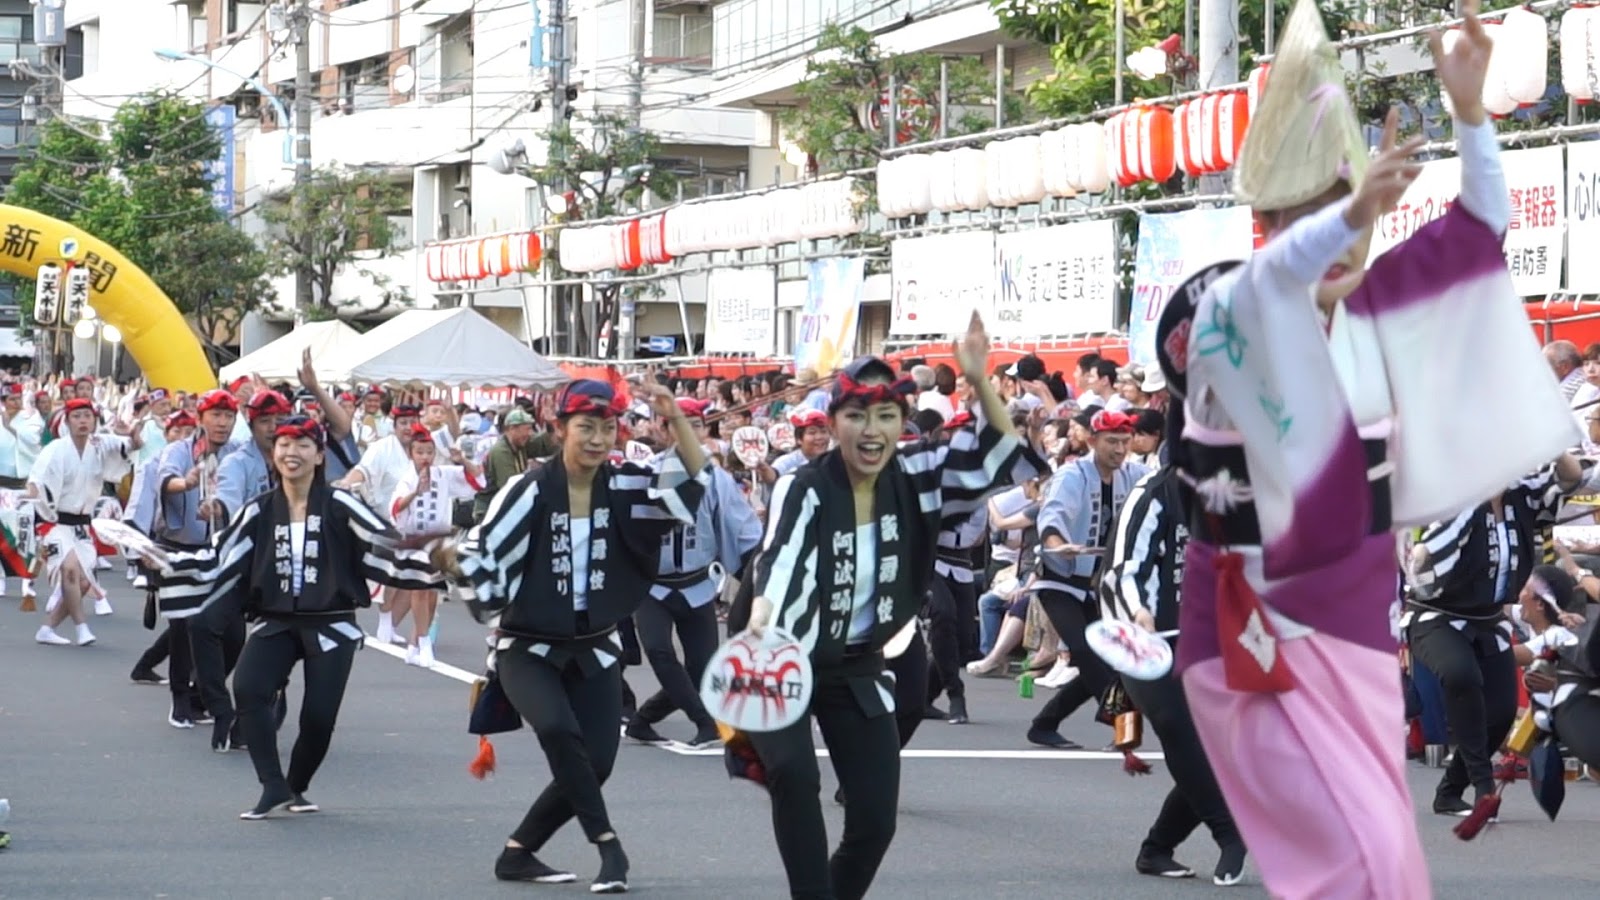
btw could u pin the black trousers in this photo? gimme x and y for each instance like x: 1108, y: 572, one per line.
x: 866, y: 758
x: 264, y: 666
x: 180, y: 665
x: 1577, y: 724
x: 952, y: 634
x: 1195, y: 797
x: 216, y: 638
x: 1480, y: 696
x: 1070, y: 616
x: 575, y: 717
x: 910, y: 687
x: 680, y: 681
x: 157, y: 652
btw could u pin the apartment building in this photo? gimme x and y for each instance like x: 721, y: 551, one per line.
x: 426, y: 91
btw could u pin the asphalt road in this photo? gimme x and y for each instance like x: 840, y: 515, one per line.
x: 108, y: 801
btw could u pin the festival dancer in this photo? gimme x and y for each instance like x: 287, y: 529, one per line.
x: 1141, y: 586
x: 384, y: 462
x: 66, y: 480
x: 1294, y: 369
x: 144, y: 504
x: 725, y: 532
x: 294, y: 560
x: 1077, y: 523
x: 422, y: 504
x: 846, y: 565
x: 565, y: 553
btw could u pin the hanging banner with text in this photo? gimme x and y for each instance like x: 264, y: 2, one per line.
x: 1173, y: 246
x: 939, y: 280
x: 1583, y: 223
x: 740, y: 307
x: 825, y: 337
x: 1535, y: 237
x: 1056, y: 281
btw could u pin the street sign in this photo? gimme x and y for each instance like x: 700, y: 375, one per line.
x: 661, y: 343
x: 77, y: 293
x: 219, y: 171
x: 47, y: 295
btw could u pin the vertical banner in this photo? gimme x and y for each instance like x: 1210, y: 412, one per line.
x: 219, y: 171
x: 1534, y: 239
x: 1583, y: 223
x: 1171, y: 247
x: 939, y: 280
x: 825, y: 338
x: 740, y: 307
x: 1056, y: 281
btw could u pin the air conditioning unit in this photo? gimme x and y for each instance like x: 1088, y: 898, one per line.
x: 463, y: 178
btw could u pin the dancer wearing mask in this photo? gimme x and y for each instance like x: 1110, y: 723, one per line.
x: 845, y: 566
x: 564, y: 553
x: 1294, y: 369
x: 725, y: 532
x: 295, y: 561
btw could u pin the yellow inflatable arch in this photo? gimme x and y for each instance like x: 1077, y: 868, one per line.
x: 153, y: 330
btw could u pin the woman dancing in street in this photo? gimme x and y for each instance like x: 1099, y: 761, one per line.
x: 564, y: 554
x: 286, y: 560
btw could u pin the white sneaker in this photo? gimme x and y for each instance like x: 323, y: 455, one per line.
x: 1059, y: 675
x: 47, y: 635
x: 385, y: 633
x: 55, y: 601
x: 85, y: 636
x: 425, y: 653
x: 141, y: 582
x: 102, y: 565
x: 133, y: 571
x: 102, y: 607
x: 27, y: 588
x: 412, y: 655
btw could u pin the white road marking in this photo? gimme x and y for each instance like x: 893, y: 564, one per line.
x: 465, y: 677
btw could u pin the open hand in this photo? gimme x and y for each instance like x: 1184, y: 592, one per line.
x: 972, y: 350
x: 1387, y: 178
x: 661, y: 401
x: 1461, y: 70
x: 308, y: 372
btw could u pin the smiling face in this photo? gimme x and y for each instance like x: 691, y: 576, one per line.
x: 296, y: 458
x: 813, y: 441
x: 1110, y: 449
x: 866, y: 436
x: 586, y: 441
x: 1344, y: 276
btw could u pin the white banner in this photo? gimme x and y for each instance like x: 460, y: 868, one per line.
x: 1583, y: 225
x: 740, y: 307
x: 939, y: 280
x: 1534, y: 240
x: 1056, y: 281
x: 1171, y: 247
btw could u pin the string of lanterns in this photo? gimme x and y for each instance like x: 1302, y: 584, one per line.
x: 475, y: 259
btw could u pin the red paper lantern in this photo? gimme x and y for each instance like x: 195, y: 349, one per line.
x: 653, y: 240
x: 1231, y: 119
x: 1122, y: 148
x: 1157, y: 161
x: 1186, y: 138
x: 526, y: 251
x: 1257, y: 85
x: 433, y: 262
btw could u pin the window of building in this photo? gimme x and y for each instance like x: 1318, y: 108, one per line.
x: 82, y: 56
x: 681, y: 38
x: 16, y: 40
x: 240, y: 16
x: 364, y: 84
x: 445, y: 59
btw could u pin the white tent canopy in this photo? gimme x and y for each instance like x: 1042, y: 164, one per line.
x: 446, y: 347
x: 280, y: 360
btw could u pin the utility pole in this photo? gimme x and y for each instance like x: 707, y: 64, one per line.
x: 300, y: 23
x: 1218, y: 58
x: 563, y: 303
x: 622, y: 339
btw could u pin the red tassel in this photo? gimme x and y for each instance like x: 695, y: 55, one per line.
x: 483, y: 764
x: 1250, y: 657
x: 1133, y: 765
x: 1485, y: 809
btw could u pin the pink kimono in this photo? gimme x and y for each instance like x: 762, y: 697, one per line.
x: 1307, y: 441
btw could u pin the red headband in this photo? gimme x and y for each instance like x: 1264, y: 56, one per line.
x: 847, y: 390
x: 591, y: 398
x: 420, y: 432
x: 807, y: 418
x: 1107, y: 422
x: 401, y: 411
x: 239, y: 382
x: 218, y: 399
x: 300, y: 427
x: 694, y: 409
x: 268, y: 403
x: 180, y: 419
x: 959, y: 420
x: 77, y: 403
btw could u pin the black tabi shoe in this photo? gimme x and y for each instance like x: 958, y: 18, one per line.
x: 179, y: 716
x: 1446, y: 805
x: 302, y: 805
x: 142, y: 675
x: 271, y: 799
x: 1230, y: 866
x: 958, y: 711
x: 519, y: 864
x: 1162, y: 866
x: 1051, y: 739
x: 613, y: 877
x: 222, y: 735
x: 706, y: 736
x: 645, y: 733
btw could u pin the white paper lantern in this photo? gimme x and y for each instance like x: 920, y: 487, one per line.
x: 1094, y: 175
x: 1580, y: 47
x: 1053, y: 162
x: 1527, y: 47
x: 995, y: 173
x: 890, y: 201
x: 1030, y: 169
x: 1496, y: 98
x: 972, y: 187
x: 942, y: 181
x: 1256, y: 85
x: 914, y: 179
x: 788, y: 209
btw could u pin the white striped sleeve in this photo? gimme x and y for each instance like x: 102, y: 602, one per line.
x: 495, y: 552
x: 1444, y: 543
x: 663, y: 491
x: 786, y: 570
x: 199, y: 578
x: 1135, y: 551
x: 382, y: 560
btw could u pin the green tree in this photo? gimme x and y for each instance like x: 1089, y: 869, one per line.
x: 139, y: 182
x: 608, y: 167
x: 347, y: 227
x: 843, y: 91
